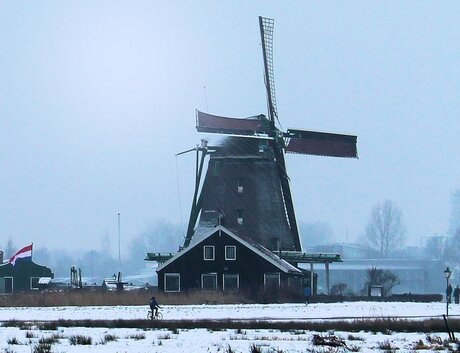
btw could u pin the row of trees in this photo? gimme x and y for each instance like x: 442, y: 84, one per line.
x: 384, y: 234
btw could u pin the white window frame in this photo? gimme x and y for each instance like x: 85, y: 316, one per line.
x: 240, y: 220
x: 240, y: 185
x: 272, y: 273
x: 228, y: 258
x: 237, y: 282
x: 30, y: 282
x: 12, y: 284
x: 170, y: 274
x: 214, y: 274
x: 213, y: 252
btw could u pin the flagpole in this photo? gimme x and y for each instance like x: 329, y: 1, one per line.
x: 119, y: 251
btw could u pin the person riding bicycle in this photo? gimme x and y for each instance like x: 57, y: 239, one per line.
x: 154, y: 306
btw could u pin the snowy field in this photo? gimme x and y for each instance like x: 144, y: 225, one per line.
x: 13, y: 339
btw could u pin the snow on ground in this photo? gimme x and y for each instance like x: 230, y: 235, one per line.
x: 242, y: 311
x: 103, y: 340
x: 201, y: 341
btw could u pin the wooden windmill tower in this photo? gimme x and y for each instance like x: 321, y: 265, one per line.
x: 246, y: 187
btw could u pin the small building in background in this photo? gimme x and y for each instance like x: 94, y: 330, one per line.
x: 417, y: 274
x: 23, y: 275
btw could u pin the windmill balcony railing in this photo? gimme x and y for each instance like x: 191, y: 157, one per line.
x: 301, y: 257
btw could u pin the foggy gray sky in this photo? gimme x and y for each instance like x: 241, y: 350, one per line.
x: 97, y: 97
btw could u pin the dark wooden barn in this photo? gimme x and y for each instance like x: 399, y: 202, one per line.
x: 24, y: 275
x: 219, y: 259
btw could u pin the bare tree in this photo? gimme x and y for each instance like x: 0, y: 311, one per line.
x: 453, y: 248
x: 315, y: 233
x: 10, y: 249
x: 384, y: 278
x: 385, y: 230
x: 436, y: 247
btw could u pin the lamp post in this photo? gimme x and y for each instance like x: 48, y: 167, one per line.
x: 447, y: 274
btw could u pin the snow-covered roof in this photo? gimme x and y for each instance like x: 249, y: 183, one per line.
x: 44, y: 280
x: 203, y: 233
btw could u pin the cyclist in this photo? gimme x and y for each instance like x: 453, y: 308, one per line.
x: 154, y: 306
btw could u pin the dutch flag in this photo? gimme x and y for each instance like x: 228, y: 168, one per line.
x: 25, y: 254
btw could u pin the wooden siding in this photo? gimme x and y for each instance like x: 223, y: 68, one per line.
x: 260, y: 201
x: 248, y: 265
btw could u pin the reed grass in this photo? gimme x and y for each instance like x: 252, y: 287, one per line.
x: 135, y: 297
x: 368, y: 325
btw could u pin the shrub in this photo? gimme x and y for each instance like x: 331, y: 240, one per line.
x: 354, y: 338
x: 137, y: 336
x: 42, y: 348
x: 338, y: 289
x: 30, y: 334
x: 51, y: 339
x: 329, y: 340
x: 385, y: 345
x: 12, y: 341
x: 385, y: 278
x: 80, y: 340
x: 110, y: 338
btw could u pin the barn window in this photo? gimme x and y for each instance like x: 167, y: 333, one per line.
x: 172, y: 282
x: 240, y: 217
x: 34, y: 282
x: 240, y: 185
x: 231, y: 282
x: 209, y: 282
x: 208, y: 252
x: 275, y: 244
x: 272, y: 280
x: 8, y: 285
x: 230, y: 252
x: 262, y: 146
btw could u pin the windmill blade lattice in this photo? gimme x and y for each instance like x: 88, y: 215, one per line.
x: 266, y: 33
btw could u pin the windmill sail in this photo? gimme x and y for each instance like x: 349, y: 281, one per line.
x: 239, y: 126
x: 321, y: 143
x: 266, y: 34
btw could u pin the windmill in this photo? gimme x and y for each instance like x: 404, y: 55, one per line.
x: 246, y: 187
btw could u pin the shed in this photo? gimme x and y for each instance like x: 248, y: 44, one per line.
x: 24, y: 275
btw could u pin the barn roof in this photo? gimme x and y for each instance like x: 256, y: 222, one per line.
x: 205, y: 232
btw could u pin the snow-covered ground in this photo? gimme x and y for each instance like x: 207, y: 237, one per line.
x: 13, y: 339
x: 243, y: 311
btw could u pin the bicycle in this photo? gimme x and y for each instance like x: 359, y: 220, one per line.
x: 158, y: 316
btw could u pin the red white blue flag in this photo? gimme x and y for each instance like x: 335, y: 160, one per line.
x: 24, y: 254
